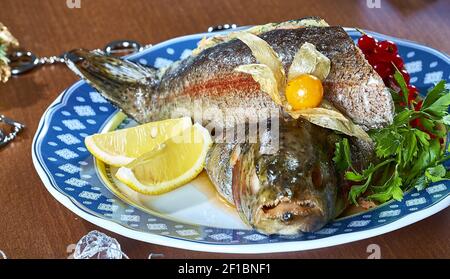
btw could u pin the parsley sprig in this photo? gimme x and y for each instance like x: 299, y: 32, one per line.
x: 407, y: 156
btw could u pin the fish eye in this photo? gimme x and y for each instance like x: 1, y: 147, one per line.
x: 287, y: 216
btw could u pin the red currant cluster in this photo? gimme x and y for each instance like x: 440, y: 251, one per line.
x: 384, y: 58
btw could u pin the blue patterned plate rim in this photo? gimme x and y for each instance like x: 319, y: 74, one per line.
x: 258, y: 244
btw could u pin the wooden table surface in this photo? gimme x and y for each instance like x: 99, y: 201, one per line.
x: 34, y: 225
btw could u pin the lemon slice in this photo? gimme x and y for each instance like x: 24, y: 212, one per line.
x: 176, y: 162
x: 121, y: 147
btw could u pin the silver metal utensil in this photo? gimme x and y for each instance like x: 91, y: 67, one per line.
x: 23, y: 61
x: 16, y: 127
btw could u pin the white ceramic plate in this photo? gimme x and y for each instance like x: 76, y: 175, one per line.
x: 193, y: 217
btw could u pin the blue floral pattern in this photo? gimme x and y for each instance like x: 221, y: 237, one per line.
x: 81, y: 111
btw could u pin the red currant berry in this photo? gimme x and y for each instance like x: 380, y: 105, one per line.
x: 387, y: 46
x: 383, y: 69
x: 367, y: 43
x: 372, y: 59
x: 398, y: 61
x: 385, y: 57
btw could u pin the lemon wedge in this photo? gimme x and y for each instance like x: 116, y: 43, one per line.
x: 174, y: 163
x: 121, y: 147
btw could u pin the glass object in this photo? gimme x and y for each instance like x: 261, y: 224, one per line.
x: 97, y: 245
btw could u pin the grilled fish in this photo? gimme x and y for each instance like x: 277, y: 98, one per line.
x: 283, y: 191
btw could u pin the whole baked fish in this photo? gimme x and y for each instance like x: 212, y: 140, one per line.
x: 290, y: 189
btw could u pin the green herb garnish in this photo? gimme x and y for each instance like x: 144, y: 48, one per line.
x: 407, y: 155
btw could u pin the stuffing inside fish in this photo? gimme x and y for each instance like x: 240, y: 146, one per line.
x: 288, y: 189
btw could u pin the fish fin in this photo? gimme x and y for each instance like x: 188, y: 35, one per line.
x: 128, y: 85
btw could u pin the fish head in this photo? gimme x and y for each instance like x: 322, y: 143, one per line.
x: 292, y: 190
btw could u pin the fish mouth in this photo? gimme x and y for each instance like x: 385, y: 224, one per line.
x: 286, y: 217
x: 280, y: 207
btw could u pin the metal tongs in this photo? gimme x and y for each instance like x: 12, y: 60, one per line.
x: 25, y: 61
x: 16, y: 127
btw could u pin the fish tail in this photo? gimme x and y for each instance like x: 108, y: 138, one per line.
x: 128, y: 85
